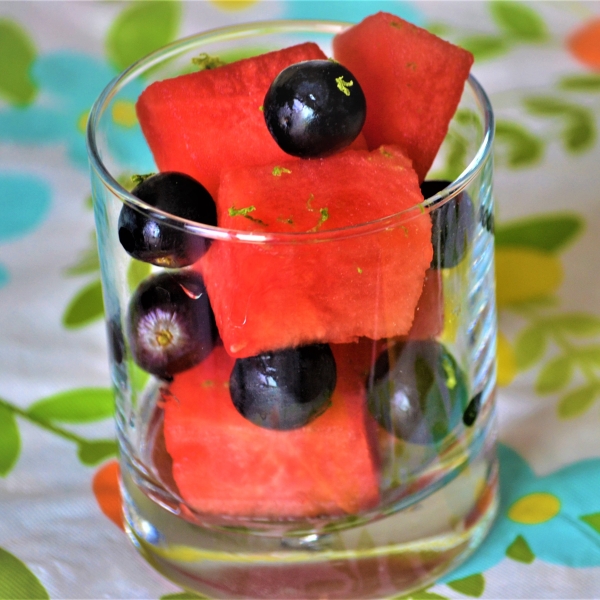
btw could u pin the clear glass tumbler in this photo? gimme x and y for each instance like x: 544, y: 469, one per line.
x: 390, y: 487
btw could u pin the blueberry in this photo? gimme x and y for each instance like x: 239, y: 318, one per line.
x: 417, y: 392
x: 453, y: 226
x: 314, y: 108
x: 472, y: 410
x: 170, y: 325
x: 284, y: 389
x: 153, y: 241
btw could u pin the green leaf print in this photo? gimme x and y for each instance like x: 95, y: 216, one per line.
x: 469, y: 586
x: 516, y: 146
x: 136, y: 273
x: 184, y: 596
x: 10, y: 442
x: 530, y: 346
x: 85, y: 307
x: 520, y: 551
x: 549, y: 233
x: 421, y: 595
x: 554, y: 376
x: 17, y: 581
x: 82, y: 405
x: 577, y: 324
x: 17, y: 54
x: 577, y: 401
x: 93, y: 452
x: 519, y: 21
x: 579, y: 127
x: 141, y: 28
x: 484, y: 47
x: 593, y: 521
x: 580, y: 83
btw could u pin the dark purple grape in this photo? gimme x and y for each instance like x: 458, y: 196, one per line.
x: 417, y: 391
x: 472, y: 410
x: 314, y: 108
x: 170, y: 325
x: 284, y: 389
x: 151, y: 240
x: 453, y: 226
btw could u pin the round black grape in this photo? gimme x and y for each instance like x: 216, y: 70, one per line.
x: 453, y: 226
x: 151, y: 240
x: 314, y: 108
x: 170, y: 324
x: 417, y: 392
x: 284, y: 389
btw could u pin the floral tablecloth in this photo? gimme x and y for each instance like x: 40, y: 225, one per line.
x: 60, y: 527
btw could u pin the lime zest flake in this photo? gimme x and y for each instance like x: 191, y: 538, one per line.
x: 450, y: 375
x: 137, y: 179
x: 405, y: 229
x: 261, y: 108
x: 324, y: 216
x: 421, y: 209
x: 245, y: 212
x: 385, y: 152
x: 278, y: 171
x: 343, y: 85
x: 396, y: 25
x: 208, y: 383
x: 359, y: 270
x: 289, y: 221
x: 206, y: 62
x: 411, y: 65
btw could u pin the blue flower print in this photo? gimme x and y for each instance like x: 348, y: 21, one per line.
x: 24, y: 204
x: 69, y: 83
x: 351, y: 11
x: 557, y: 516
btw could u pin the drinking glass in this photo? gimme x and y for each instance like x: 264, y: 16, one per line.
x: 396, y: 482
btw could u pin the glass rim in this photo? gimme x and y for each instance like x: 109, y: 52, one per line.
x: 214, y: 232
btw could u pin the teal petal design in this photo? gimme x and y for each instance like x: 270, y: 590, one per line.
x: 563, y: 539
x: 24, y: 204
x: 68, y: 84
x: 352, y: 11
x: 4, y: 278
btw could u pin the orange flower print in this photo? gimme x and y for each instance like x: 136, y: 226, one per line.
x: 105, y: 486
x: 584, y: 44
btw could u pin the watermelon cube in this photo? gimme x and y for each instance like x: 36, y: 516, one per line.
x: 412, y: 80
x: 201, y: 122
x: 272, y: 296
x: 223, y: 464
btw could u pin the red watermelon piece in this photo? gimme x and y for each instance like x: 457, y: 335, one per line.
x: 274, y: 296
x: 200, y: 122
x: 412, y: 81
x: 224, y: 464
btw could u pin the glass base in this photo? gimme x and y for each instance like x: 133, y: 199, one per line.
x: 395, y: 554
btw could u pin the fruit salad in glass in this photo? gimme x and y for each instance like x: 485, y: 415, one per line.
x: 298, y: 283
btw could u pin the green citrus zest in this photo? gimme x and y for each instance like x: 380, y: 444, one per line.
x: 244, y: 212
x: 359, y: 270
x: 411, y: 65
x: 324, y: 216
x: 343, y: 85
x: 450, y: 376
x: 396, y: 25
x: 385, y: 152
x: 137, y: 179
x: 206, y: 62
x: 261, y: 108
x: 289, y: 221
x: 404, y: 228
x: 277, y: 171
